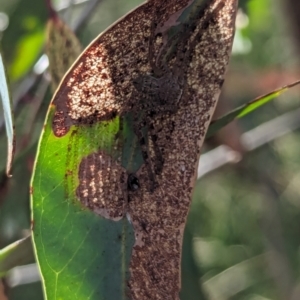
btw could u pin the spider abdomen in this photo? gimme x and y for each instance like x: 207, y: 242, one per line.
x: 170, y: 91
x: 147, y: 84
x: 164, y: 90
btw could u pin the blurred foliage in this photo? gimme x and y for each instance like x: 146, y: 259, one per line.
x: 14, y: 254
x: 245, y: 109
x: 242, y: 237
x: 23, y: 38
x: 62, y: 49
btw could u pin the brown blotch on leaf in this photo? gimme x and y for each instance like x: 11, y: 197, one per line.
x: 159, y: 217
x: 59, y: 125
x: 31, y: 190
x: 102, y: 185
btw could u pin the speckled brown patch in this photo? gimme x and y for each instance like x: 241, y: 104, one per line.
x: 102, y: 185
x: 100, y: 85
x: 159, y: 217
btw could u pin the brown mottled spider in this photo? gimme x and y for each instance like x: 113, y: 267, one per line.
x: 160, y: 92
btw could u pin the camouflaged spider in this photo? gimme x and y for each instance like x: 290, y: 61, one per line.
x: 160, y: 92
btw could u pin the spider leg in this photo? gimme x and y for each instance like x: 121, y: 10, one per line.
x: 159, y: 160
x: 139, y: 130
x: 154, y: 63
x: 151, y: 57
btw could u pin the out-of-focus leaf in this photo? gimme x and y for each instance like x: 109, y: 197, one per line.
x: 90, y: 161
x: 18, y: 253
x: 7, y: 110
x: 14, y: 192
x: 23, y: 39
x: 62, y: 48
x: 190, y: 276
x: 28, y: 121
x: 245, y: 109
x: 26, y: 53
x: 32, y: 291
x: 235, y: 279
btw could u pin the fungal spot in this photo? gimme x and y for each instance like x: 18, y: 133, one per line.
x: 101, y: 185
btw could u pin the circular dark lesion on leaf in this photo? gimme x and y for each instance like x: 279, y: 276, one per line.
x: 59, y: 124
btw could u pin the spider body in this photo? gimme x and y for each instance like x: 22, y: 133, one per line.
x: 158, y: 93
x: 157, y: 96
x: 164, y: 92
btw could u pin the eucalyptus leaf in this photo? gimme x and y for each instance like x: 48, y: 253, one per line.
x: 15, y: 254
x: 113, y: 177
x: 247, y: 108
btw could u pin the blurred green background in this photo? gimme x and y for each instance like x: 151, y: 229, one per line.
x: 242, y: 235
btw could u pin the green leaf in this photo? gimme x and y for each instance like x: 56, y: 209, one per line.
x: 191, y: 287
x: 6, y: 103
x: 30, y: 44
x: 28, y: 123
x: 18, y: 253
x: 23, y: 39
x: 78, y: 245
x: 246, y: 109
